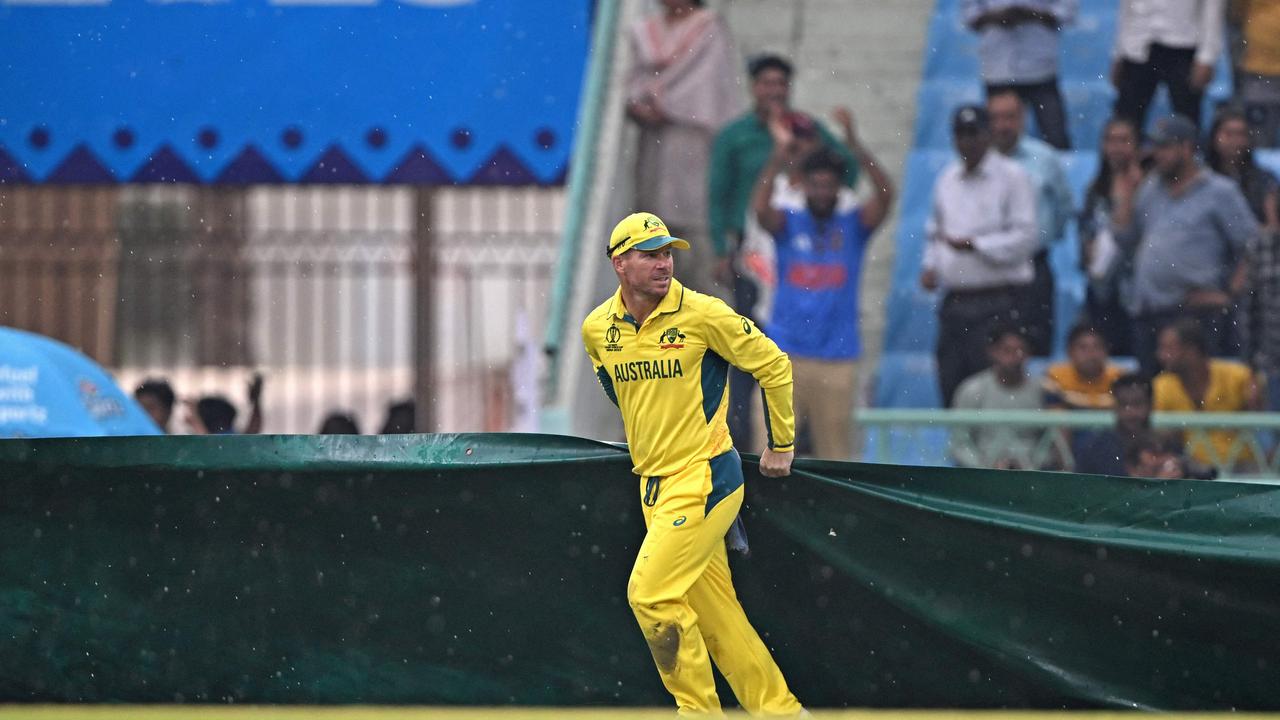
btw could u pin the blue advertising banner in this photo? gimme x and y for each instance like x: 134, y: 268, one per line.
x: 241, y: 91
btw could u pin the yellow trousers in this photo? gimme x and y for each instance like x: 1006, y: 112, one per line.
x: 682, y: 594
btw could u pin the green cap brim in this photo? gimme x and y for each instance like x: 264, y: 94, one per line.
x: 661, y: 242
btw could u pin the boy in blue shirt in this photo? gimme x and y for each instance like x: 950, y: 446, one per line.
x: 819, y: 254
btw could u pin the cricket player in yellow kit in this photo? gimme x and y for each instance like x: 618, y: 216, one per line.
x: 662, y: 354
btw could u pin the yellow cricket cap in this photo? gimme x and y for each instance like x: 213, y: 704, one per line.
x: 641, y: 231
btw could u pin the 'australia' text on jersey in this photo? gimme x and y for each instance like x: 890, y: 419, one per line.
x: 647, y: 370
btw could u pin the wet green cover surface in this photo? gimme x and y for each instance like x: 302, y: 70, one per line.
x: 491, y: 569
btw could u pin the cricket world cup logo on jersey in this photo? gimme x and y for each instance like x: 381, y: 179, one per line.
x: 611, y: 338
x: 671, y: 339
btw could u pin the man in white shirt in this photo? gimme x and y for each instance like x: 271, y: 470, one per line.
x: 982, y: 235
x: 1174, y: 42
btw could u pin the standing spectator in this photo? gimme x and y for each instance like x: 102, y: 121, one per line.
x: 1187, y: 230
x: 1230, y: 153
x: 1003, y: 386
x: 157, y: 398
x: 1053, y: 206
x: 1018, y: 47
x: 1110, y: 271
x: 1260, y: 319
x: 1103, y: 453
x: 1193, y: 382
x: 757, y: 259
x: 981, y: 239
x: 682, y: 88
x: 819, y: 268
x: 737, y: 156
x: 1171, y: 42
x: 1084, y: 381
x: 1258, y: 80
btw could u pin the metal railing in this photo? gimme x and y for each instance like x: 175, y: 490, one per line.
x: 916, y: 436
x: 347, y: 298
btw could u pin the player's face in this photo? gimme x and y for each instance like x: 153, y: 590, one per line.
x: 821, y: 189
x: 647, y: 272
x: 1088, y: 354
x: 771, y: 89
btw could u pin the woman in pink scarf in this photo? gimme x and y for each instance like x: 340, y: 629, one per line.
x: 683, y: 86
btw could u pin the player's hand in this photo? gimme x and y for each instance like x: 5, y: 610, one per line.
x: 776, y: 464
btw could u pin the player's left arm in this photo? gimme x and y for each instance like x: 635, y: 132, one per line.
x: 737, y: 340
x: 602, y: 373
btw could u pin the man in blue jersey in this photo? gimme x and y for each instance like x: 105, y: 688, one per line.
x: 819, y: 250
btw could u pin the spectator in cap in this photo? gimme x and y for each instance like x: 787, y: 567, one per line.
x: 682, y: 88
x: 740, y: 151
x: 1018, y: 48
x: 1186, y: 229
x: 1174, y: 43
x: 978, y: 253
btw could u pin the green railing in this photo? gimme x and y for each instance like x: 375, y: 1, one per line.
x: 1044, y: 441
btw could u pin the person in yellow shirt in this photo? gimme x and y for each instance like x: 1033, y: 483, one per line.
x: 1083, y: 382
x: 1192, y: 382
x: 662, y: 354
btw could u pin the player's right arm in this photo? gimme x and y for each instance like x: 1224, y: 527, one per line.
x: 602, y: 373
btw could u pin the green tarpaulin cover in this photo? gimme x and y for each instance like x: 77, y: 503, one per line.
x: 491, y: 569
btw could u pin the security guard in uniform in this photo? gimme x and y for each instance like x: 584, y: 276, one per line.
x: 662, y: 354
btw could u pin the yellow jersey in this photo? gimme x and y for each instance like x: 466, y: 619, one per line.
x: 1229, y: 387
x: 670, y: 377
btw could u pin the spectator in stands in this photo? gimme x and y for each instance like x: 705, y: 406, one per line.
x: 401, y: 418
x: 1193, y: 382
x: 1258, y: 79
x: 981, y: 239
x: 1018, y: 47
x: 1260, y: 311
x: 1084, y: 381
x: 1005, y: 385
x: 156, y: 398
x: 1230, y: 153
x: 211, y: 415
x: 1110, y: 271
x: 739, y: 153
x: 820, y: 245
x: 1187, y: 229
x: 756, y: 260
x: 1171, y: 42
x: 1054, y: 206
x: 1158, y: 456
x: 1102, y: 453
x: 254, y: 395
x: 339, y: 423
x: 683, y: 86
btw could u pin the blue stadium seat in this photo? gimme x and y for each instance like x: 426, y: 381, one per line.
x: 1269, y: 159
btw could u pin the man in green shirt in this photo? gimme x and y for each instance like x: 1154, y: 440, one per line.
x: 742, y: 147
x: 739, y: 154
